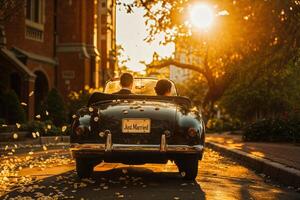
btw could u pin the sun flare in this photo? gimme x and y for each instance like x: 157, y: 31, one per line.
x: 201, y: 16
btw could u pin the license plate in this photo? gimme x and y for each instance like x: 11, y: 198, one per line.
x: 136, y: 125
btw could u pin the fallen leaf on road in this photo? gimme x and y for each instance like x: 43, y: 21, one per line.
x: 15, y: 136
x: 18, y: 125
x: 64, y: 128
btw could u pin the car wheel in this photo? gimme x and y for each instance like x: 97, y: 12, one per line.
x: 188, y: 166
x: 84, y: 167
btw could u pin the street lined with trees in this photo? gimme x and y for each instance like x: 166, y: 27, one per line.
x: 248, y: 55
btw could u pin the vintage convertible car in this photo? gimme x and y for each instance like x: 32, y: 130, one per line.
x: 138, y: 129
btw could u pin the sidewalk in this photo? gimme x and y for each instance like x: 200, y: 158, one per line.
x: 279, y: 161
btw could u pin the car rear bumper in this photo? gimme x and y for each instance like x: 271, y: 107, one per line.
x: 110, y: 150
x: 101, y: 148
x: 121, y: 152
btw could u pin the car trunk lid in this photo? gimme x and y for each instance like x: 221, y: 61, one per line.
x: 136, y: 121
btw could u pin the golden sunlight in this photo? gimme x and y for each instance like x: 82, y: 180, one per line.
x: 201, y: 16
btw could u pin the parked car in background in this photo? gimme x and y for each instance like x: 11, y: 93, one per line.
x: 138, y: 129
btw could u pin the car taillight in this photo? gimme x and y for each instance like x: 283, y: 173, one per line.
x: 192, y: 132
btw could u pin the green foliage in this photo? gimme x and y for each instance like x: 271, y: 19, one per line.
x: 55, y: 108
x: 47, y: 128
x: 263, y: 34
x: 13, y: 128
x: 2, y: 121
x: 223, y: 124
x: 274, y: 130
x: 36, y: 126
x: 215, y: 125
x: 12, y: 110
x: 263, y: 92
x: 195, y: 89
x: 77, y: 100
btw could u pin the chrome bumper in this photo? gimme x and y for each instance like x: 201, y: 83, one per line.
x: 110, y: 147
x: 131, y: 147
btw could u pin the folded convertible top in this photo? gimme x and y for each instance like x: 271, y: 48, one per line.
x: 98, y: 97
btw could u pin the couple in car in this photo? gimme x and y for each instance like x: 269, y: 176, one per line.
x: 162, y: 88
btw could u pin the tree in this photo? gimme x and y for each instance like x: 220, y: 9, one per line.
x: 12, y: 109
x: 256, y: 33
x: 122, y: 59
x: 273, y: 93
x: 55, y: 108
x: 198, y: 91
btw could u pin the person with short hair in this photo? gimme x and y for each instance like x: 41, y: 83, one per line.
x: 126, y: 83
x: 163, y: 87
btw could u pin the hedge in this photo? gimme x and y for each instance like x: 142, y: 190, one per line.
x: 273, y: 130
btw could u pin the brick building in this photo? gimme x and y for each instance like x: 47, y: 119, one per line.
x: 65, y: 44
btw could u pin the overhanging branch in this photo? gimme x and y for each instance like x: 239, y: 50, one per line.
x: 177, y: 64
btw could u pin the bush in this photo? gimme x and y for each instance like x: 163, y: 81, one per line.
x: 2, y: 121
x: 215, y: 125
x: 273, y: 130
x: 55, y: 108
x: 220, y: 125
x: 77, y: 100
x: 12, y: 109
x: 47, y: 128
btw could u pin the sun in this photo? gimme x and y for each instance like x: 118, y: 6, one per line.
x: 201, y: 16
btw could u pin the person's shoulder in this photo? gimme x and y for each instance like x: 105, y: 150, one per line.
x: 123, y: 91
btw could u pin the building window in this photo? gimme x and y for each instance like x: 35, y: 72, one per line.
x: 35, y: 20
x: 34, y: 10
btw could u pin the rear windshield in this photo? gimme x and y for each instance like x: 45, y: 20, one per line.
x: 141, y: 86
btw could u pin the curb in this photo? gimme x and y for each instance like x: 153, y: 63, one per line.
x: 277, y: 172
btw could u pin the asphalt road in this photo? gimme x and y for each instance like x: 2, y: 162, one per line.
x: 51, y: 175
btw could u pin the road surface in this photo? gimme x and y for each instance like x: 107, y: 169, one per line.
x: 50, y: 175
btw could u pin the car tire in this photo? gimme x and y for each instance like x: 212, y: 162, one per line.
x: 188, y: 165
x: 84, y: 167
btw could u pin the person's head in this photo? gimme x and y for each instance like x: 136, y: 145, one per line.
x: 163, y: 87
x: 126, y: 80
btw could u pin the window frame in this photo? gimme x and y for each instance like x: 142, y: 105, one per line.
x: 34, y: 25
x: 41, y: 11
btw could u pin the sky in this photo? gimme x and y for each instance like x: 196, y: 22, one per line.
x: 131, y: 32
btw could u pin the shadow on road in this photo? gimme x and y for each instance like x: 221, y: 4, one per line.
x: 124, y: 183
